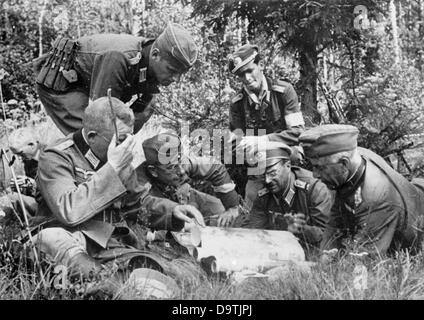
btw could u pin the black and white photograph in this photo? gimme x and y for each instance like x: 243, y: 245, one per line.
x: 215, y: 155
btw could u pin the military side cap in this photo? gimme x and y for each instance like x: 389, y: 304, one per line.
x: 328, y: 139
x: 162, y: 148
x: 242, y: 57
x: 274, y: 152
x: 179, y: 45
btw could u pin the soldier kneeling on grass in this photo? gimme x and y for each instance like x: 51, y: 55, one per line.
x: 292, y: 200
x: 376, y: 210
x: 86, y: 184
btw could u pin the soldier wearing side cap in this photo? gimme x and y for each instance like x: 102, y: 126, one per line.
x: 375, y: 206
x: 76, y: 72
x: 263, y: 104
x: 170, y: 175
x: 293, y: 200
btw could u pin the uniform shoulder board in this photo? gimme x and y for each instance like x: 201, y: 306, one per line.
x: 64, y: 145
x: 263, y: 192
x: 237, y: 98
x: 301, y: 184
x: 280, y: 86
x: 136, y: 59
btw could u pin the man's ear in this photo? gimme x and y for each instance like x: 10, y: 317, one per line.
x: 261, y: 65
x: 91, y: 135
x: 152, y: 170
x: 155, y: 54
x: 345, y: 161
x: 287, y: 164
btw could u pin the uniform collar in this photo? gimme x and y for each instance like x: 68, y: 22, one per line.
x: 286, y: 197
x: 264, y: 93
x: 352, y: 184
x: 83, y: 146
x: 144, y: 77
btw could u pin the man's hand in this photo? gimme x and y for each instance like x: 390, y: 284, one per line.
x: 121, y: 156
x: 251, y: 143
x: 296, y: 222
x: 184, y: 212
x: 227, y: 218
x: 23, y: 182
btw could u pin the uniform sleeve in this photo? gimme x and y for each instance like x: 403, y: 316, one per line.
x: 377, y: 224
x: 216, y: 173
x: 333, y: 233
x: 70, y: 203
x: 295, y: 124
x: 237, y: 117
x: 320, y: 204
x: 109, y: 71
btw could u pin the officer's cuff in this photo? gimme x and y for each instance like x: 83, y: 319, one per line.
x: 229, y: 199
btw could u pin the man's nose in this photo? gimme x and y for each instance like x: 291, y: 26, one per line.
x: 247, y: 77
x: 267, y: 179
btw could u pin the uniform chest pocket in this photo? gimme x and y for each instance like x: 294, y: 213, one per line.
x: 82, y: 175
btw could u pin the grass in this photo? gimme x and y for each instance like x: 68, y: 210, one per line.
x: 399, y: 277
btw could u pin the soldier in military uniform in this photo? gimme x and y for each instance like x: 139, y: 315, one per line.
x: 375, y: 206
x: 292, y: 199
x: 268, y: 107
x: 76, y: 72
x: 86, y: 186
x: 24, y: 143
x: 171, y: 177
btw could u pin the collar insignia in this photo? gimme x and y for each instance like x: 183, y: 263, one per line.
x: 91, y: 157
x: 143, y: 74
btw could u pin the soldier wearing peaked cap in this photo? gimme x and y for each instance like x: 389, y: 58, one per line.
x: 76, y: 72
x: 170, y: 173
x: 374, y: 205
x: 292, y: 200
x: 264, y: 104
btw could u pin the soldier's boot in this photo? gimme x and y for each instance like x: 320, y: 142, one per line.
x: 101, y: 283
x: 84, y: 265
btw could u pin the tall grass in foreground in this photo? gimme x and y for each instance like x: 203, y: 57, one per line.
x: 400, y: 277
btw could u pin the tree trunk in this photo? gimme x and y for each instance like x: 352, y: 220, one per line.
x: 40, y: 28
x: 308, y: 59
x: 394, y: 32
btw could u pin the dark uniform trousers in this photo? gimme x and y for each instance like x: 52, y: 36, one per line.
x: 305, y: 195
x: 378, y: 212
x: 100, y: 62
x: 278, y: 114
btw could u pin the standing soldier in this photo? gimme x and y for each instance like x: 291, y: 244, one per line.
x: 77, y: 72
x: 375, y: 206
x: 292, y: 200
x: 269, y: 107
